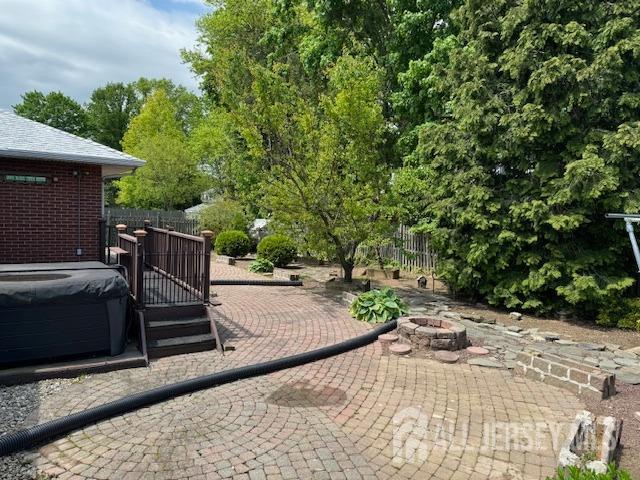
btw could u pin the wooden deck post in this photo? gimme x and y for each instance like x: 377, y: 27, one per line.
x: 120, y: 228
x: 102, y: 241
x: 148, y: 243
x: 206, y: 267
x: 139, y: 278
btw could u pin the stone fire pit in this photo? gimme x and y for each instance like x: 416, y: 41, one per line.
x: 424, y: 333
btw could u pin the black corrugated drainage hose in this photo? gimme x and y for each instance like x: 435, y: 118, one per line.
x: 258, y: 282
x: 31, y: 436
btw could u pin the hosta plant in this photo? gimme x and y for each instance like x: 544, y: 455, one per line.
x: 377, y: 306
x: 261, y: 265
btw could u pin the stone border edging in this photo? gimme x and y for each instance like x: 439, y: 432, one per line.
x: 580, y: 379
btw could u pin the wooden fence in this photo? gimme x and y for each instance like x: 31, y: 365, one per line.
x: 135, y: 218
x: 411, y: 251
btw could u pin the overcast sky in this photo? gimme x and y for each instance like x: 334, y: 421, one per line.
x: 77, y: 45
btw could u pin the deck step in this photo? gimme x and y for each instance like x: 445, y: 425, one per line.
x: 159, y: 329
x: 171, y: 312
x: 178, y: 345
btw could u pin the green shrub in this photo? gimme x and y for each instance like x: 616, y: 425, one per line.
x: 377, y: 306
x: 261, y: 265
x: 223, y: 215
x: 278, y: 249
x: 622, y: 314
x: 233, y: 243
x: 577, y: 473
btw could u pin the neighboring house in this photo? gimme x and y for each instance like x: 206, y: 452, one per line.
x: 207, y: 198
x: 51, y: 191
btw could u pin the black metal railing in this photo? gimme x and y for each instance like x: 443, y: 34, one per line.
x: 175, y: 277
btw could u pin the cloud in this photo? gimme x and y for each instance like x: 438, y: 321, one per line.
x: 77, y: 45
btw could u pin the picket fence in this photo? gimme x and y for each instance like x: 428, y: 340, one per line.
x: 412, y: 251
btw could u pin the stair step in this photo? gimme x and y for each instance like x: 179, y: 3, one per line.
x: 164, y: 312
x: 165, y: 347
x: 160, y: 329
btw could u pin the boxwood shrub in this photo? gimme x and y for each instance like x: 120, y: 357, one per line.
x: 233, y: 243
x: 278, y: 249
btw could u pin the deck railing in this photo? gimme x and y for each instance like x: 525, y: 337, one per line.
x: 130, y: 252
x: 164, y: 266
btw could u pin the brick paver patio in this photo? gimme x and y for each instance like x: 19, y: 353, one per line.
x: 330, y: 419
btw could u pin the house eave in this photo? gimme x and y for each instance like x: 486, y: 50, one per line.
x: 70, y: 158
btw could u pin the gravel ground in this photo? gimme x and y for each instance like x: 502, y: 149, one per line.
x: 20, y: 404
x: 623, y: 405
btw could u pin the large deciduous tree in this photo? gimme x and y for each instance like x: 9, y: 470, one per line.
x: 110, y: 110
x: 54, y: 109
x: 297, y: 123
x: 532, y: 135
x: 171, y: 177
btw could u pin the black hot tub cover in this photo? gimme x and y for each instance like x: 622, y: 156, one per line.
x: 59, y: 283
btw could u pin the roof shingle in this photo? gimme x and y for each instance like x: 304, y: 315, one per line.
x: 24, y: 138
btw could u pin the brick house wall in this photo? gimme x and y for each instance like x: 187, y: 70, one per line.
x: 39, y: 223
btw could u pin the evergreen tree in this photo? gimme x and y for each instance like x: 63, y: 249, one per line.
x: 532, y: 135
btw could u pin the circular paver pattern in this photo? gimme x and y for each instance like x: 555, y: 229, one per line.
x: 349, y: 416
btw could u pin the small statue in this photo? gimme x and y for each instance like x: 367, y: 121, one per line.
x: 422, y: 281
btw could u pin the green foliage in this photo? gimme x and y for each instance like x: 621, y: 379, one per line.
x: 170, y: 178
x: 578, y: 473
x: 622, y: 314
x: 377, y: 306
x: 54, y: 109
x: 261, y: 265
x: 297, y: 128
x: 233, y: 243
x: 530, y: 137
x: 110, y: 110
x: 223, y: 214
x: 278, y: 249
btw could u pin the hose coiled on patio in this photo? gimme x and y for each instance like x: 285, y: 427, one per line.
x: 258, y: 282
x: 31, y: 436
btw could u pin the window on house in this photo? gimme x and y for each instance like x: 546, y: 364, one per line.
x: 31, y: 179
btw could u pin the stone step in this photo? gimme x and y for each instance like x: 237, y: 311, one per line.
x: 180, y: 327
x: 399, y: 348
x: 166, y: 347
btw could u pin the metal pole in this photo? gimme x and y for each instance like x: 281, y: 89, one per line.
x: 634, y: 243
x: 629, y: 219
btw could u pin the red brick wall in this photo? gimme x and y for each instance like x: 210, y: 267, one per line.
x: 39, y: 223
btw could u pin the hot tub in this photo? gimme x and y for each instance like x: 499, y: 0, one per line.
x: 53, y: 310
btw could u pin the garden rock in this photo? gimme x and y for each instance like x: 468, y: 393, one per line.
x: 596, y: 347
x: 488, y: 362
x: 564, y: 342
x: 516, y: 315
x: 630, y: 378
x: 607, y: 364
x: 515, y: 328
x: 550, y: 336
x: 626, y: 362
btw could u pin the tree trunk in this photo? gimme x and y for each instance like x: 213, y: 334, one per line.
x: 347, y: 268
